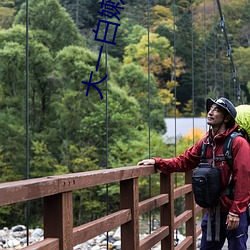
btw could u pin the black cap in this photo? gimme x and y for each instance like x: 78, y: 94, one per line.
x: 223, y: 103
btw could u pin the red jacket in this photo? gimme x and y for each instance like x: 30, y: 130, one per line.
x: 241, y: 167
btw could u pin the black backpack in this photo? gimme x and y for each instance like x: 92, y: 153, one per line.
x: 206, y: 179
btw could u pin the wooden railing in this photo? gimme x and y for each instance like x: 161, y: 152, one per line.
x: 59, y: 232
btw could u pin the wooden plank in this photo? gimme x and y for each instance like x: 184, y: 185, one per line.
x: 90, y: 230
x: 198, y: 209
x: 198, y: 231
x: 185, y: 244
x: 182, y: 218
x: 46, y: 244
x: 154, y: 238
x: 129, y: 195
x: 152, y: 203
x: 58, y: 219
x: 190, y: 205
x: 178, y: 192
x: 167, y: 210
x: 99, y: 177
x: 24, y: 190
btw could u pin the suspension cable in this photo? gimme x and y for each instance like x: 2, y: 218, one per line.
x: 149, y: 120
x: 215, y: 52
x: 27, y: 207
x: 192, y: 76
x: 107, y: 128
x: 174, y: 74
x: 175, y: 95
x: 205, y: 50
x: 229, y: 53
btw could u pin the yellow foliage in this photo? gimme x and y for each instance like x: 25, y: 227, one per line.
x: 161, y: 55
x: 203, y: 114
x: 173, y: 112
x: 195, y: 134
x: 188, y: 108
x: 172, y: 84
x: 161, y: 16
x: 166, y: 96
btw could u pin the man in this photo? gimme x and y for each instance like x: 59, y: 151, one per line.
x: 221, y: 115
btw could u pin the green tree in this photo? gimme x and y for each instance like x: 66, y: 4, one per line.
x: 84, y: 13
x: 241, y: 56
x: 6, y: 17
x: 132, y: 78
x: 53, y: 25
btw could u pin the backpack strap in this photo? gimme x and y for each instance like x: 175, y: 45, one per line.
x: 227, y: 148
x: 227, y: 151
x: 203, y: 152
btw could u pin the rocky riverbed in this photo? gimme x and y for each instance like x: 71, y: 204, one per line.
x: 16, y: 238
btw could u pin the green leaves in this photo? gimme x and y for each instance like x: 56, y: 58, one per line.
x: 53, y: 24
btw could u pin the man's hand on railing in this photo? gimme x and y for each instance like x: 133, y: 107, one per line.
x: 146, y: 162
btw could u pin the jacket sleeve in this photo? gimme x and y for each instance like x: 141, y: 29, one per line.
x: 183, y: 163
x: 241, y: 175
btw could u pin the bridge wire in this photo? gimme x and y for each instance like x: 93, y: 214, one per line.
x: 215, y: 52
x: 149, y: 120
x: 174, y: 78
x: 192, y: 77
x: 229, y: 55
x: 27, y: 206
x: 107, y: 127
x: 222, y: 68
x: 175, y: 94
x: 205, y: 49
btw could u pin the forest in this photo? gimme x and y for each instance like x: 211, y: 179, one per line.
x: 167, y: 58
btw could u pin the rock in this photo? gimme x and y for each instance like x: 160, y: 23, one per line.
x: 18, y: 234
x: 100, y: 238
x: 117, y: 234
x: 103, y: 243
x: 111, y: 240
x: 95, y: 248
x: 111, y: 233
x: 13, y: 243
x: 91, y: 242
x: 81, y: 246
x: 23, y: 240
x: 38, y: 232
x: 18, y: 247
x: 3, y: 233
x: 18, y: 228
x: 16, y: 238
x: 117, y: 244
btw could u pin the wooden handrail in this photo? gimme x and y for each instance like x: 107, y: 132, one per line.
x: 56, y: 191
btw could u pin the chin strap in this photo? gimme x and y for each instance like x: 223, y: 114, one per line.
x: 218, y: 128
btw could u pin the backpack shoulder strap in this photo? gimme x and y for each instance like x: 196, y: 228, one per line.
x: 227, y: 148
x: 203, y: 152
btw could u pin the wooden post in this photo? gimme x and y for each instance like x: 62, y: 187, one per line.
x: 129, y: 198
x: 58, y: 219
x: 167, y: 210
x: 190, y: 205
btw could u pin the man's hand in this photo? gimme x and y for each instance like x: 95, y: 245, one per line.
x: 232, y: 221
x: 146, y: 162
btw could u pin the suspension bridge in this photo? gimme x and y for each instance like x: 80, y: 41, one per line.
x: 56, y: 192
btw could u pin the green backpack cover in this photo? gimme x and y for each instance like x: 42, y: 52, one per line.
x: 243, y: 119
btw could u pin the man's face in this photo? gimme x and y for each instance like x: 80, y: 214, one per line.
x: 215, y: 116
